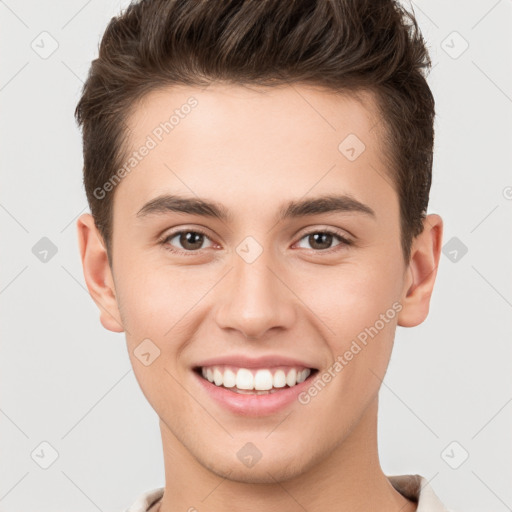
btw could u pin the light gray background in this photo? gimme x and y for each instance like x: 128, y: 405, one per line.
x: 68, y: 382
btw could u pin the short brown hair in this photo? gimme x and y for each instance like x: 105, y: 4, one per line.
x: 343, y: 45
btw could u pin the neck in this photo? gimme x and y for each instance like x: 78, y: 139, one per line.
x: 348, y: 478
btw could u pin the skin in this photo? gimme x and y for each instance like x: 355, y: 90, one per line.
x: 253, y: 149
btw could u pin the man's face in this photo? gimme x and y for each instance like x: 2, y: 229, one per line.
x: 257, y: 284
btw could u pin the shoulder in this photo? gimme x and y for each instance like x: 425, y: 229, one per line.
x: 146, y: 500
x: 418, y: 488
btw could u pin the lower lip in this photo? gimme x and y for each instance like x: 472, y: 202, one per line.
x: 254, y: 405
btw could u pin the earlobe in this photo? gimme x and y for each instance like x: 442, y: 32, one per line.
x: 421, y: 272
x: 97, y: 272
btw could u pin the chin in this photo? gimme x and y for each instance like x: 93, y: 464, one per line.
x: 264, y: 475
x: 263, y: 472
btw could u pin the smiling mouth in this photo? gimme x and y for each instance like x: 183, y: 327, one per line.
x: 252, y: 381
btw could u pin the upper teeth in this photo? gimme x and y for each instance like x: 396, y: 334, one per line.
x: 260, y: 380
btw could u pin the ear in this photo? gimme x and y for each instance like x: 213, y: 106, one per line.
x: 421, y: 272
x: 97, y: 272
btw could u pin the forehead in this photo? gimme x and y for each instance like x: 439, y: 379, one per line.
x: 290, y: 112
x: 254, y: 145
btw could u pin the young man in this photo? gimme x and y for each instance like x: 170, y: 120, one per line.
x: 258, y: 174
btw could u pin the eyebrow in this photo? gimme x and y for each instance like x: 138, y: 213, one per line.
x: 298, y: 208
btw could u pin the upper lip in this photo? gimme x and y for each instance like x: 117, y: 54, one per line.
x: 243, y: 361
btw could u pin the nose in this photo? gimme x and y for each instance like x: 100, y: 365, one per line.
x: 254, y: 298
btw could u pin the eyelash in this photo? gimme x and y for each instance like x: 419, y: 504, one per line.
x: 164, y: 242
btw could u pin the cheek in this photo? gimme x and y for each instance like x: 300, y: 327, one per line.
x: 352, y: 297
x: 153, y: 298
x: 155, y: 305
x: 366, y: 327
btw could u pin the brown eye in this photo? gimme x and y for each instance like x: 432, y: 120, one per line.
x: 322, y: 240
x: 186, y: 240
